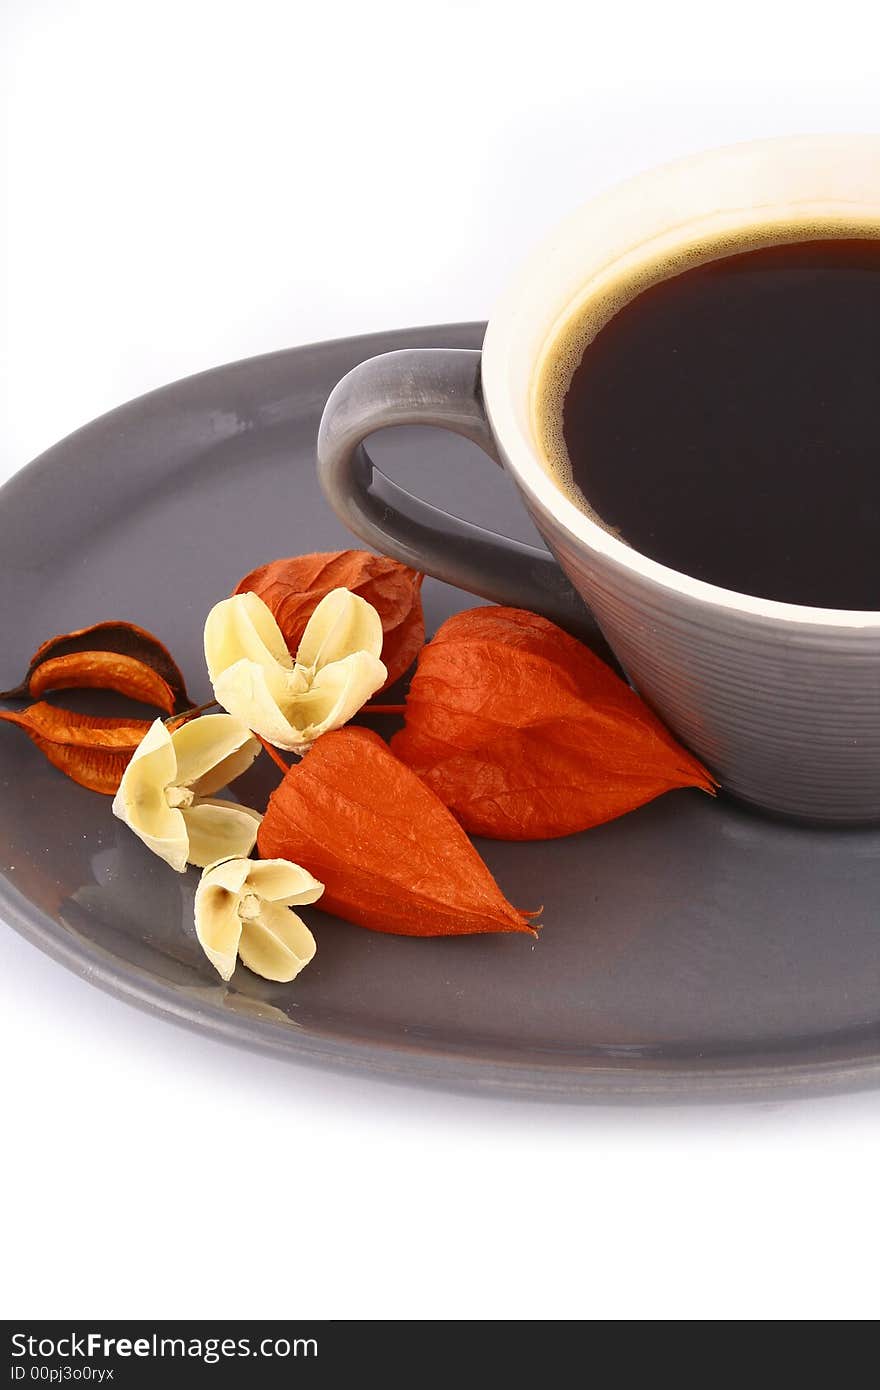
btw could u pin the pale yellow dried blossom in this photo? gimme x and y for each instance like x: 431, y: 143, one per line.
x: 165, y: 795
x: 292, y: 702
x: 244, y: 908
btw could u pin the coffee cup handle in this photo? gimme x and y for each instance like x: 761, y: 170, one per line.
x: 433, y: 386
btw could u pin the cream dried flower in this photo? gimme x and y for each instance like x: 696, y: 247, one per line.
x: 244, y: 907
x: 165, y: 792
x: 292, y: 702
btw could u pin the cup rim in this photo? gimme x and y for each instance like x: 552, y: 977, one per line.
x: 519, y: 452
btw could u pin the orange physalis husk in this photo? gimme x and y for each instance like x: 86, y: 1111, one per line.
x: 293, y: 588
x: 107, y: 656
x: 389, y: 854
x: 92, y: 751
x: 526, y: 735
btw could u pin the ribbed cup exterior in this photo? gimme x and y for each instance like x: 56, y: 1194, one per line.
x: 785, y: 713
x: 783, y: 706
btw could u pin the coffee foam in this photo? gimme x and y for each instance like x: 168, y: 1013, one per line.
x: 618, y: 285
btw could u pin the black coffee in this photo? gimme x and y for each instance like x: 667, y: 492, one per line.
x: 726, y: 422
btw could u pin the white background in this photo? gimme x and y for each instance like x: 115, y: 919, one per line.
x: 190, y: 183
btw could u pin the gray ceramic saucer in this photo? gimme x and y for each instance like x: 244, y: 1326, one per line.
x: 691, y: 950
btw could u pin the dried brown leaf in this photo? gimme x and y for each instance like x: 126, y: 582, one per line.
x: 107, y: 656
x: 92, y: 751
x: 526, y: 735
x: 388, y: 852
x: 293, y: 588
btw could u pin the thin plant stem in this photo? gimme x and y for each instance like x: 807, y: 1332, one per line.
x: 274, y: 754
x: 193, y: 713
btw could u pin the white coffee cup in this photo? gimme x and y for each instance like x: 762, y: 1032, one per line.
x: 780, y: 700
